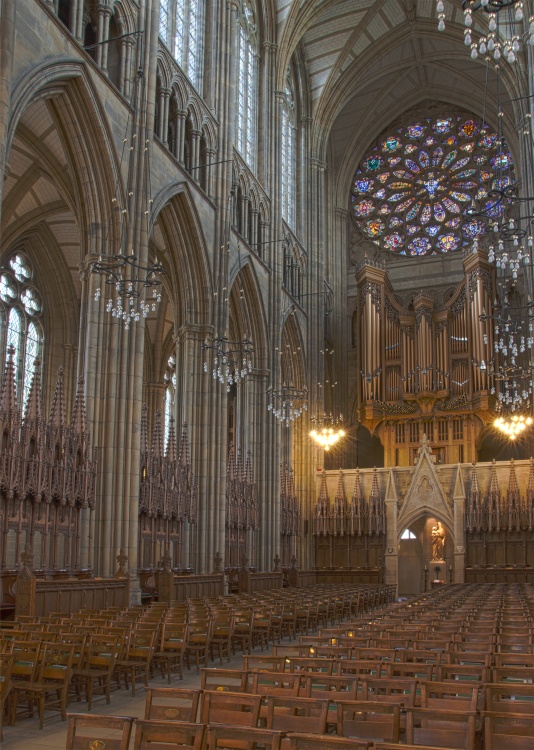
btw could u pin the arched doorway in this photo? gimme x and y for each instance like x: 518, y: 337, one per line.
x: 415, y: 552
x: 411, y: 561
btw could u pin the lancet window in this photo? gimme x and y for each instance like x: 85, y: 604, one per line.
x: 247, y: 83
x: 412, y: 190
x: 181, y: 29
x: 21, y: 330
x: 288, y: 155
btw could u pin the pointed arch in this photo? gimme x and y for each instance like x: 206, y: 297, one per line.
x: 86, y: 139
x: 184, y: 254
x: 247, y: 312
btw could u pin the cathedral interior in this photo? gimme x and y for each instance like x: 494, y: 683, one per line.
x: 228, y: 224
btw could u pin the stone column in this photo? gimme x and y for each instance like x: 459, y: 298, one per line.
x: 210, y: 158
x: 195, y: 154
x: 163, y: 122
x: 201, y: 400
x: 102, y: 11
x: 126, y: 66
x: 254, y: 229
x: 105, y: 36
x: 7, y: 45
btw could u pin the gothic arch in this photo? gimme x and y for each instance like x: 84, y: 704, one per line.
x: 184, y: 254
x: 86, y: 139
x: 247, y: 312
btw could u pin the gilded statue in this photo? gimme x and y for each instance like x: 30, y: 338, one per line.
x: 438, y: 541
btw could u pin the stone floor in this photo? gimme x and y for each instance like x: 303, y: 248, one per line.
x: 26, y: 735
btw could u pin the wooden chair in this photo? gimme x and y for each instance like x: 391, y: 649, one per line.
x: 50, y: 688
x: 242, y: 635
x: 331, y: 688
x: 324, y: 742
x: 508, y: 731
x: 459, y: 695
x: 149, y: 735
x: 368, y: 720
x: 297, y: 714
x: 271, y: 683
x: 138, y: 659
x: 224, y: 680
x: 266, y: 663
x: 310, y: 664
x: 506, y: 697
x: 221, y: 638
x: 198, y: 641
x: 399, y: 692
x: 245, y: 738
x: 465, y: 672
x: 6, y: 667
x: 372, y: 668
x: 91, y: 731
x: 98, y: 665
x: 170, y: 656
x: 172, y: 704
x: 441, y: 728
x: 239, y: 709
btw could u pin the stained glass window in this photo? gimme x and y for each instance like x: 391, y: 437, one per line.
x: 180, y: 28
x: 247, y: 83
x: 412, y: 190
x: 288, y: 155
x: 21, y: 308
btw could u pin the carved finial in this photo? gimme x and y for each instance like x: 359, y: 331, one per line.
x: 8, y: 392
x: 57, y: 410
x: 171, y: 442
x: 166, y: 561
x: 26, y: 557
x: 122, y: 559
x: 157, y: 437
x: 79, y: 418
x: 34, y: 405
x: 144, y: 429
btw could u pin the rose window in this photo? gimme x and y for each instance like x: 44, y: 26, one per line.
x: 411, y: 192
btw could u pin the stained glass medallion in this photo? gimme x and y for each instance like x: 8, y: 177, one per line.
x: 438, y: 166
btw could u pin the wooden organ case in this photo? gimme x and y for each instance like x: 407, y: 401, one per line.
x: 423, y: 369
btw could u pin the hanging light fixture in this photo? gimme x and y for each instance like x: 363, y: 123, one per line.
x: 133, y: 287
x: 128, y: 279
x: 327, y: 430
x: 230, y: 361
x: 496, y: 42
x: 287, y: 403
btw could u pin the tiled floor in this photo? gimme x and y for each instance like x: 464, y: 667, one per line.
x: 26, y: 735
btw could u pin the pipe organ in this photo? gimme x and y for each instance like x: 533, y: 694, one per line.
x: 423, y: 368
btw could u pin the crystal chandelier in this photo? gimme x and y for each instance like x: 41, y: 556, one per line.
x: 127, y: 279
x: 287, y: 403
x: 327, y: 430
x: 496, y: 42
x: 513, y: 426
x: 230, y: 360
